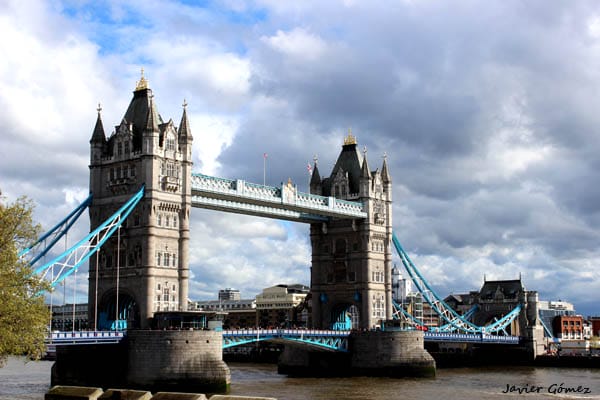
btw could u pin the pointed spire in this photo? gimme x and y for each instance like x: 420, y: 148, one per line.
x: 98, y: 136
x: 315, y: 178
x: 185, y: 134
x: 365, y: 172
x: 153, y: 118
x: 385, y: 175
x: 142, y: 83
x: 350, y: 139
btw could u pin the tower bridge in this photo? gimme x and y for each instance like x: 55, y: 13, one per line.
x: 142, y: 193
x: 349, y: 213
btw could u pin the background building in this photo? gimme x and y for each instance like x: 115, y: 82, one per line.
x: 229, y: 294
x: 279, y: 306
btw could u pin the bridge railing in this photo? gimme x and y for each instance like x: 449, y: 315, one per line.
x: 285, y: 332
x: 84, y: 337
x: 469, y: 337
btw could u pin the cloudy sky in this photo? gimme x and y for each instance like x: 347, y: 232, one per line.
x: 487, y: 112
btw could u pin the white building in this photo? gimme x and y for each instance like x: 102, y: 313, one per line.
x: 401, y: 286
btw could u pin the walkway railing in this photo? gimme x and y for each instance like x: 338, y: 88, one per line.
x: 85, y: 337
x: 330, y: 340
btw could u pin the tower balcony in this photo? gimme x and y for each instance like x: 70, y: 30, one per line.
x: 170, y: 183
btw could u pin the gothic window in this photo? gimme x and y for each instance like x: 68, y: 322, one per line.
x: 130, y: 259
x: 158, y: 257
x: 171, y: 170
x: 167, y: 259
x: 159, y: 219
x: 136, y: 220
x: 158, y: 287
x: 119, y: 148
x: 162, y: 168
x: 132, y: 171
x: 351, y: 276
x: 170, y: 145
x: 173, y: 289
x: 126, y: 147
x: 174, y: 259
x: 167, y: 221
x: 175, y: 221
x: 378, y: 306
x: 166, y: 293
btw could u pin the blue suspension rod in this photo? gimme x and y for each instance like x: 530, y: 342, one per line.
x: 66, y: 223
x: 102, y: 233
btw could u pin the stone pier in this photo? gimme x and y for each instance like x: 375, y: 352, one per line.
x: 182, y: 361
x: 371, y: 353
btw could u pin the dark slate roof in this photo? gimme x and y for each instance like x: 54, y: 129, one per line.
x: 98, y: 136
x: 349, y: 161
x: 315, y: 179
x: 184, y: 133
x: 508, y: 288
x: 143, y: 115
x: 385, y: 175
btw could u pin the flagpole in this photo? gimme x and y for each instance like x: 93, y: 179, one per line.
x: 264, y: 169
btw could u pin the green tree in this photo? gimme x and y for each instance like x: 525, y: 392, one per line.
x: 23, y: 315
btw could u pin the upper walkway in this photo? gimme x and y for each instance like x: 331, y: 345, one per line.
x: 284, y: 202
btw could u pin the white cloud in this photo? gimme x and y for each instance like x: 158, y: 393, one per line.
x: 297, y: 43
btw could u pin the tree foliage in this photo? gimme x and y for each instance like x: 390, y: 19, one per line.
x: 23, y: 315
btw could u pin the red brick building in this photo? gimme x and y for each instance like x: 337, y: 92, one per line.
x: 568, y: 327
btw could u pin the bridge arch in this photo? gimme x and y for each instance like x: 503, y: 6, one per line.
x: 129, y: 311
x: 345, y: 317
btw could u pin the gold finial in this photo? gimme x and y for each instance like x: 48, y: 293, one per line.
x: 99, y: 108
x: 184, y: 105
x: 142, y: 83
x: 365, y: 150
x: 384, y: 155
x: 350, y: 139
x: 315, y: 159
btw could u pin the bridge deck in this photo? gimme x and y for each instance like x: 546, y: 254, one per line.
x: 284, y: 202
x: 328, y: 339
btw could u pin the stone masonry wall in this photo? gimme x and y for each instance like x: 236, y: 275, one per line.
x: 393, y: 353
x: 182, y: 360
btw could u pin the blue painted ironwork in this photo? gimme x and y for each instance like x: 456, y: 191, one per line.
x: 55, y: 233
x: 283, y: 202
x: 547, y: 332
x: 453, y: 321
x: 330, y: 340
x: 70, y: 260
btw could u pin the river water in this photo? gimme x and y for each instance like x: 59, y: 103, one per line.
x: 21, y: 380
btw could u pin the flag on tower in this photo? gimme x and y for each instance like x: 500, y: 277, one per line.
x: 309, y: 168
x: 265, y: 155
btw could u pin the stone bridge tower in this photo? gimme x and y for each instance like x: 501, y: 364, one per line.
x: 351, y: 281
x: 146, y: 263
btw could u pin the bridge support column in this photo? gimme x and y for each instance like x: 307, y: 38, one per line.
x: 181, y: 361
x: 372, y: 353
x: 391, y: 353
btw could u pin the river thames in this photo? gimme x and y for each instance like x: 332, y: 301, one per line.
x: 21, y: 380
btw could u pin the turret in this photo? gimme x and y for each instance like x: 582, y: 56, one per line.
x: 365, y: 177
x: 98, y: 140
x: 315, y: 181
